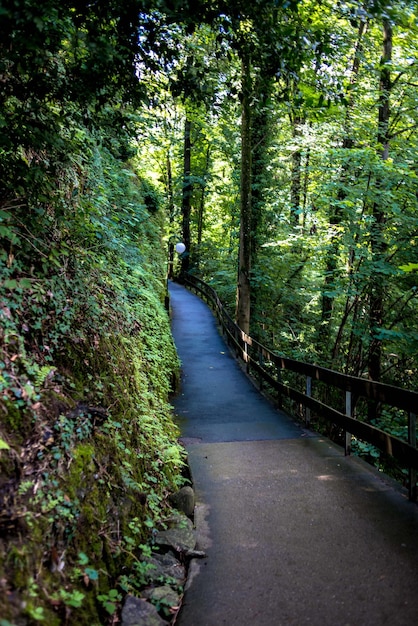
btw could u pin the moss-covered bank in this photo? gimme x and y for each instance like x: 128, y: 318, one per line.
x: 89, y: 450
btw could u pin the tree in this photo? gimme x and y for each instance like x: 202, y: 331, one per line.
x: 316, y: 282
x: 186, y: 195
x: 245, y: 239
x: 377, y: 235
x: 257, y: 32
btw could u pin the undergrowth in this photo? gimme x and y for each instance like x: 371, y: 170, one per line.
x: 88, y: 448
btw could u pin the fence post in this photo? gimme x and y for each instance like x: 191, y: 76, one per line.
x: 238, y: 349
x: 348, y: 412
x: 309, y: 394
x: 279, y: 390
x: 412, y: 440
x: 261, y: 363
x: 246, y: 359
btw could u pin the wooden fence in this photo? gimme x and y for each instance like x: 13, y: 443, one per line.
x: 269, y: 366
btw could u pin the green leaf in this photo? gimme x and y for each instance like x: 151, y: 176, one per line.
x: 25, y: 283
x: 83, y: 559
x: 4, y: 445
x: 91, y: 573
x: 410, y: 267
x: 6, y: 232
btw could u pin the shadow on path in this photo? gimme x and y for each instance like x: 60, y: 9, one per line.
x: 295, y: 532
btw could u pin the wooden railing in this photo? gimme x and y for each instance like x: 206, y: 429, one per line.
x: 268, y: 366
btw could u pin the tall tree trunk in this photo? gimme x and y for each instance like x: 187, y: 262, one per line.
x: 201, y: 206
x: 260, y: 127
x: 261, y: 133
x: 296, y: 180
x: 305, y: 184
x: 243, y: 308
x: 187, y: 195
x: 170, y: 196
x: 377, y: 238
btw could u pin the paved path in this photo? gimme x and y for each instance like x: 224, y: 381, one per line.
x: 295, y: 532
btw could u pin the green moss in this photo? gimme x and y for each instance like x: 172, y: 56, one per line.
x: 18, y: 563
x: 14, y: 419
x: 82, y: 466
x: 99, y: 482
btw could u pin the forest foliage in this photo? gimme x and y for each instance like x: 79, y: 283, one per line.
x: 332, y: 218
x: 89, y: 451
x: 279, y: 141
x: 298, y: 203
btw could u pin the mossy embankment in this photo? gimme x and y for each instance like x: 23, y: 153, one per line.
x: 89, y: 449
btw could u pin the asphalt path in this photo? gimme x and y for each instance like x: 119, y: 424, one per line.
x: 216, y: 403
x: 295, y: 533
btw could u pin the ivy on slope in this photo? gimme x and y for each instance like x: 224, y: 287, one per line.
x: 89, y: 452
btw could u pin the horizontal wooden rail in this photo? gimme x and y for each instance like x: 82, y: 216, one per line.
x: 268, y: 366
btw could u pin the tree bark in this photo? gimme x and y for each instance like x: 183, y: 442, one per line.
x: 243, y: 308
x: 170, y: 196
x: 187, y: 195
x: 377, y: 238
x: 296, y: 182
x: 261, y: 133
x: 201, y: 206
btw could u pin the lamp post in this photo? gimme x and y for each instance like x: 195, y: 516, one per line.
x: 180, y: 248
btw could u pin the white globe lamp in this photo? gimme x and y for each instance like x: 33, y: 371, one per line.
x: 180, y: 247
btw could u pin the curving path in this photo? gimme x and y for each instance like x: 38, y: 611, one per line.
x: 295, y: 533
